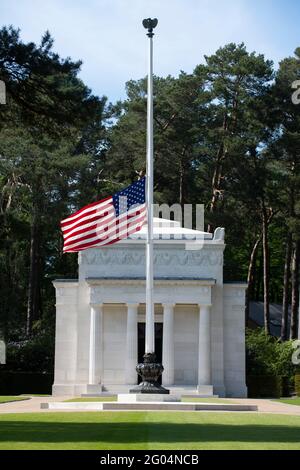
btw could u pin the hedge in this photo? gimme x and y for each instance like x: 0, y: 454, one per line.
x: 264, y: 386
x: 17, y: 383
x: 297, y: 384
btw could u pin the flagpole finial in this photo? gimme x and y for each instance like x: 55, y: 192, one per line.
x: 150, y: 24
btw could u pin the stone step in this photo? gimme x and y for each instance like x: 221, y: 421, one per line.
x: 97, y: 395
x: 203, y: 391
x: 147, y: 397
x: 147, y: 406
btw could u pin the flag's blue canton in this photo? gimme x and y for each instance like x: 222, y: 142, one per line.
x: 125, y: 199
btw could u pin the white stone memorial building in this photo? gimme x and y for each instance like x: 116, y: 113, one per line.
x: 199, y: 320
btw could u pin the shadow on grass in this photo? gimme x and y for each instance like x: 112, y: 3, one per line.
x: 126, y: 432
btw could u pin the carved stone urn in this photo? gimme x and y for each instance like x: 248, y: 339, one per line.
x: 150, y: 371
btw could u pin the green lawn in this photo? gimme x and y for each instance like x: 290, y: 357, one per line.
x: 290, y: 401
x: 4, y: 399
x: 149, y: 430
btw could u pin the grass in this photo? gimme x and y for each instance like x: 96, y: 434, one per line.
x: 290, y: 401
x: 149, y: 430
x: 8, y: 399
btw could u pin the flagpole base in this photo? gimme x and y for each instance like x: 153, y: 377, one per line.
x: 150, y: 371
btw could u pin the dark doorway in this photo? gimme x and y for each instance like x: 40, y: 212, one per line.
x: 158, y: 343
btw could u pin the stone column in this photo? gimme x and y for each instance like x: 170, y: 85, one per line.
x: 204, y: 361
x: 95, y: 346
x: 168, y: 345
x: 131, y: 345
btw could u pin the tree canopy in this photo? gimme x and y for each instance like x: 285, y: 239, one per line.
x: 226, y: 135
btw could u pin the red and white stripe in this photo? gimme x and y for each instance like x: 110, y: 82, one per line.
x: 97, y: 225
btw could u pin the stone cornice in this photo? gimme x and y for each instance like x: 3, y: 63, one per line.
x: 65, y: 283
x: 167, y: 257
x: 158, y: 281
x: 235, y: 285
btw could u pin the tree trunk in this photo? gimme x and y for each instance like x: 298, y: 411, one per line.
x: 217, y: 176
x: 33, y: 303
x: 182, y: 177
x: 216, y: 182
x: 286, y: 288
x: 182, y: 183
x: 295, y: 290
x: 251, y: 277
x: 259, y: 276
x: 266, y: 271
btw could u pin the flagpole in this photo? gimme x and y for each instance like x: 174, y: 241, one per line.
x: 149, y: 334
x: 150, y: 370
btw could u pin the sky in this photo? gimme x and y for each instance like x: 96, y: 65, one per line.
x: 107, y: 35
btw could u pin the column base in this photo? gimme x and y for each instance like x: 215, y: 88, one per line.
x: 137, y: 398
x: 74, y: 390
x: 205, y: 390
x: 93, y: 388
x: 236, y: 390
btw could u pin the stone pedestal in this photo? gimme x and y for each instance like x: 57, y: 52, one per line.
x: 205, y: 391
x: 139, y: 397
x: 93, y: 389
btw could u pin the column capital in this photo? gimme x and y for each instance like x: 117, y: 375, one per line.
x: 168, y: 304
x: 132, y: 304
x: 96, y: 305
x: 205, y: 306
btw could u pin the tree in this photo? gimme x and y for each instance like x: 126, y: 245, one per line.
x: 179, y: 122
x: 44, y: 88
x: 236, y: 81
x: 58, y: 119
x: 286, y: 151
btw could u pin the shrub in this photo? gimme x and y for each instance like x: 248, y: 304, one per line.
x: 297, y: 384
x: 17, y: 383
x: 264, y: 386
x: 288, y: 386
x: 34, y: 355
x: 267, y: 356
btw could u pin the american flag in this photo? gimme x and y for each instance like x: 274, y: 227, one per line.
x: 107, y: 221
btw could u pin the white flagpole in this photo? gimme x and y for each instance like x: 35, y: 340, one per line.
x: 149, y: 336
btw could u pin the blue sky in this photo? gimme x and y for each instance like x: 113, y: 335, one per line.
x: 107, y: 34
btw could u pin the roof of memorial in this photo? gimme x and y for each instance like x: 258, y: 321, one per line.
x: 164, y: 229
